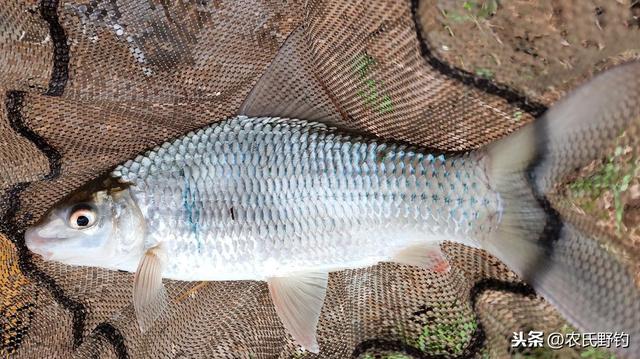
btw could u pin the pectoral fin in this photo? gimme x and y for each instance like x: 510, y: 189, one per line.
x: 149, y: 297
x: 426, y: 255
x: 298, y: 301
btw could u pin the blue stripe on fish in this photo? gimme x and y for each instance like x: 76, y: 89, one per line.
x: 191, y: 210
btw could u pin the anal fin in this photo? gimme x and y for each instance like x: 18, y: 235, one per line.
x: 298, y: 300
x: 426, y: 255
x: 149, y: 296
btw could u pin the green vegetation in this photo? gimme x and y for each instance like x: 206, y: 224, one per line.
x: 389, y: 356
x: 442, y: 336
x: 484, y: 73
x: 594, y: 353
x: 397, y: 356
x: 473, y: 10
x: 614, y: 177
x: 363, y: 65
x: 373, y: 93
x: 484, y: 10
x: 447, y: 338
x: 517, y: 116
x: 441, y: 333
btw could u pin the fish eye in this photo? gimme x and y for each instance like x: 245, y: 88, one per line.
x: 82, y: 216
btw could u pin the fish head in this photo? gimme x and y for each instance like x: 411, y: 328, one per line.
x: 102, y: 229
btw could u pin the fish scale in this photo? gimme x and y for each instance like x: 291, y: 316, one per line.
x: 287, y: 201
x: 251, y: 198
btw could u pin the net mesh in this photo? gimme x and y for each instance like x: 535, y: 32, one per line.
x: 89, y: 84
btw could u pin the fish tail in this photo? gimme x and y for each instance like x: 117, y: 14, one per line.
x: 578, y: 269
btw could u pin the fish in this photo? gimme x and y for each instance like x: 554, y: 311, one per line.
x: 288, y: 201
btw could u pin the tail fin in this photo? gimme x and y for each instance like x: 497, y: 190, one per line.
x: 577, y: 270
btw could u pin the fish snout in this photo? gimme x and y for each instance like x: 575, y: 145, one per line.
x: 36, y: 243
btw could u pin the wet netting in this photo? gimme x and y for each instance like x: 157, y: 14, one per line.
x: 88, y: 84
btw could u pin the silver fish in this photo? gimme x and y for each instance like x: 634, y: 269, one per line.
x: 287, y: 201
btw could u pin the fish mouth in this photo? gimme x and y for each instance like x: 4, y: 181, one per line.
x: 37, y: 244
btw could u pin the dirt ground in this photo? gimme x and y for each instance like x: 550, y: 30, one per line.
x: 542, y: 48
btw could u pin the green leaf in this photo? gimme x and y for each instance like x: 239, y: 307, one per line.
x: 385, y: 104
x: 517, y: 116
x: 488, y: 9
x: 363, y: 65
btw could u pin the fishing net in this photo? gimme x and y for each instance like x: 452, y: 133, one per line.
x: 89, y: 84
